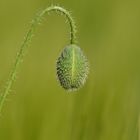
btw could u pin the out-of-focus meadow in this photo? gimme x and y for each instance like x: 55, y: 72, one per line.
x: 107, y: 107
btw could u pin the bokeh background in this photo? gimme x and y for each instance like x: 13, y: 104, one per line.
x: 107, y: 107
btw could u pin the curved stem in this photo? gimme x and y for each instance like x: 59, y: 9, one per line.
x: 26, y: 41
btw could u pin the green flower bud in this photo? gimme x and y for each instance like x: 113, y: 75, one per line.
x: 72, y: 68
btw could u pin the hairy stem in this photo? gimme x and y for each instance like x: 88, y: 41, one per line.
x: 26, y: 41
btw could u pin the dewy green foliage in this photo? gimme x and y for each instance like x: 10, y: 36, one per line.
x: 72, y: 68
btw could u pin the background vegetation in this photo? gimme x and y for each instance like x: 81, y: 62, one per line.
x: 107, y: 107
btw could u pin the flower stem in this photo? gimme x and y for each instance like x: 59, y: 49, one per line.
x: 26, y: 42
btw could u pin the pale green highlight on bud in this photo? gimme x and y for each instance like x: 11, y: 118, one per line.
x: 72, y: 68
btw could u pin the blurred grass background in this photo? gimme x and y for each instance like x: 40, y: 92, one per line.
x: 107, y: 107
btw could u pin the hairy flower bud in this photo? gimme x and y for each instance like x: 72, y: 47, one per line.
x: 72, y: 68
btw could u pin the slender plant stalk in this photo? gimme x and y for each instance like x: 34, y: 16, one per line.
x: 26, y: 42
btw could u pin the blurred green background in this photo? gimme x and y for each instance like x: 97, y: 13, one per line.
x: 107, y: 107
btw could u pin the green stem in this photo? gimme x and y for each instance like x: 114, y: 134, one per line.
x: 26, y: 41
